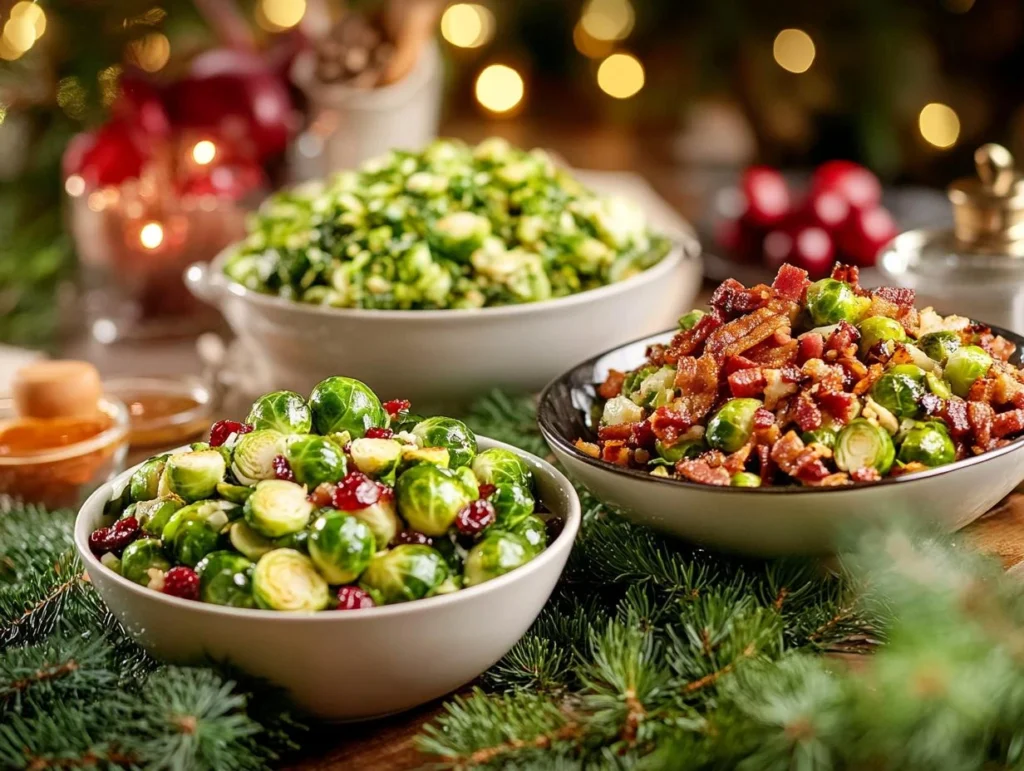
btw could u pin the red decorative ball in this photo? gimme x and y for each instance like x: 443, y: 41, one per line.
x: 855, y: 183
x: 807, y: 246
x: 222, y: 430
x: 141, y: 106
x: 182, y: 582
x: 865, y: 233
x: 827, y: 208
x: 766, y: 194
x: 475, y: 516
x: 234, y: 181
x: 356, y: 491
x: 109, y: 156
x: 353, y: 598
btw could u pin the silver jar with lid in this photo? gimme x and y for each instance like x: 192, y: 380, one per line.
x: 977, y: 268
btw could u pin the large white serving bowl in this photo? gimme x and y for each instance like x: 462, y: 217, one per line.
x: 348, y: 665
x: 443, y: 358
x: 766, y: 521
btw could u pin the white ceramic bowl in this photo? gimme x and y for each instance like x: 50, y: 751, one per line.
x: 443, y: 358
x: 348, y: 665
x: 766, y: 521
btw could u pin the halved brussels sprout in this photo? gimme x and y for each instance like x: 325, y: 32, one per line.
x: 900, y: 390
x: 939, y: 345
x: 862, y: 444
x: 823, y: 436
x: 687, y: 448
x: 512, y: 504
x: 382, y: 520
x: 689, y: 320
x: 434, y: 456
x: 234, y: 493
x: 429, y: 498
x: 140, y: 556
x: 145, y: 481
x: 153, y: 515
x: 451, y: 434
x: 225, y: 578
x: 731, y: 427
x: 745, y: 479
x: 927, y: 443
x: 532, y: 530
x: 277, y: 507
x: 499, y: 552
x: 285, y: 579
x: 111, y: 562
x: 346, y: 404
x: 253, y: 545
x: 830, y: 301
x: 193, y: 532
x: 875, y: 329
x: 284, y: 411
x: 964, y: 366
x: 407, y: 572
x: 499, y: 467
x: 194, y: 476
x: 314, y: 459
x: 254, y: 455
x: 937, y: 385
x: 340, y: 546
x: 377, y: 457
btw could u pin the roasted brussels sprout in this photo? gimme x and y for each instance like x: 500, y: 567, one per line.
x: 512, y: 504
x: 234, y: 493
x: 145, y: 481
x: 346, y: 404
x: 314, y: 459
x: 434, y: 456
x: 689, y: 320
x: 745, y: 479
x: 253, y: 545
x: 378, y: 457
x: 500, y: 467
x: 284, y: 411
x: 937, y: 385
x: 407, y: 572
x: 153, y: 515
x: 830, y: 301
x: 900, y: 390
x: 731, y: 427
x: 532, y: 530
x: 382, y: 520
x: 494, y: 555
x: 688, y: 448
x: 285, y: 579
x: 823, y: 436
x: 927, y: 443
x: 340, y: 546
x: 862, y: 444
x: 193, y: 532
x: 225, y: 578
x: 459, y: 234
x: 141, y: 556
x: 875, y: 329
x: 194, y: 476
x: 451, y: 434
x: 254, y: 455
x: 964, y: 366
x: 939, y: 345
x: 277, y: 508
x: 429, y: 497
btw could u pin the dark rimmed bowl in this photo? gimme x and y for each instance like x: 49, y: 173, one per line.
x: 766, y: 521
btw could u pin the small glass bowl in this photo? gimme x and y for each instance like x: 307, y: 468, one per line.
x: 61, y: 477
x: 163, y: 412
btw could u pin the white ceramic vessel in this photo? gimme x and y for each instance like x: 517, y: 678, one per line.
x: 443, y: 358
x: 348, y: 665
x: 766, y: 521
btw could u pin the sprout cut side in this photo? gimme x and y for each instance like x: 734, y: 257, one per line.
x: 287, y: 580
x: 453, y: 435
x: 142, y: 555
x: 377, y: 457
x: 382, y: 520
x: 254, y: 455
x: 277, y: 508
x: 862, y: 444
x: 153, y: 515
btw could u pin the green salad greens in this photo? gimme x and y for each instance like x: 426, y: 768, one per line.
x: 452, y: 226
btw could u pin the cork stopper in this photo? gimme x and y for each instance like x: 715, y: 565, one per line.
x: 988, y: 211
x: 57, y: 389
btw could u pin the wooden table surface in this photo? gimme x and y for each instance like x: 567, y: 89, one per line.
x: 388, y: 743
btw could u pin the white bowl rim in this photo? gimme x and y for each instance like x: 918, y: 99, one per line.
x: 561, y: 444
x: 564, y: 542
x: 683, y: 246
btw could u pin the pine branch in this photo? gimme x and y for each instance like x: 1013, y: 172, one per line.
x: 509, y: 419
x: 56, y: 670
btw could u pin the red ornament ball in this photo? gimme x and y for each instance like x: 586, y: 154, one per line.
x: 109, y: 156
x: 766, y: 194
x: 850, y: 180
x: 865, y: 233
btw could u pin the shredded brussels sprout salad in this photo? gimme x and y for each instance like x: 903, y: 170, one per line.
x: 815, y: 384
x: 335, y: 501
x: 452, y: 226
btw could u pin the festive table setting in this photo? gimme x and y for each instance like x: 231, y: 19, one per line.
x: 383, y: 386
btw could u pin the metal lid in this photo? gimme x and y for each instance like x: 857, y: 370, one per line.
x: 988, y: 211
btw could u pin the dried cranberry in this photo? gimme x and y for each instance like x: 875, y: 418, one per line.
x: 222, y: 429
x: 98, y: 541
x: 356, y: 491
x: 396, y: 406
x: 485, y: 490
x: 117, y: 536
x: 413, y: 537
x: 379, y: 433
x: 353, y: 598
x: 283, y: 469
x: 322, y: 495
x: 182, y: 582
x: 386, y: 493
x: 474, y: 517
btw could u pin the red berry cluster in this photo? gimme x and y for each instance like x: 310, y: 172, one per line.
x: 379, y: 433
x: 283, y: 469
x: 353, y: 598
x: 839, y: 218
x: 357, y: 491
x: 223, y: 429
x: 395, y: 406
x: 182, y: 582
x: 115, y: 537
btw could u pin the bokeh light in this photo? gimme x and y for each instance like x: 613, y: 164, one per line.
x: 467, y: 25
x: 939, y: 124
x: 33, y: 13
x: 277, y: 15
x: 74, y: 185
x: 151, y: 235
x: 620, y: 75
x: 71, y: 97
x: 151, y: 52
x: 499, y: 88
x: 110, y: 84
x: 589, y: 46
x: 794, y: 50
x: 20, y: 33
x: 608, y: 19
x: 204, y: 152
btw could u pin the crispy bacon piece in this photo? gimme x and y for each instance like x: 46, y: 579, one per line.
x: 997, y: 346
x: 656, y: 354
x: 668, y: 425
x: 980, y: 416
x: 854, y: 368
x: 690, y: 340
x: 868, y: 474
x: 763, y: 419
x: 768, y: 467
x: 732, y: 299
x: 775, y: 356
x: 790, y: 283
x: 699, y: 470
x: 931, y: 404
x: 799, y: 461
x: 588, y: 448
x: 837, y: 479
x: 848, y: 273
x: 736, y: 363
x: 612, y: 385
x: 737, y: 461
x: 982, y: 390
x: 811, y: 346
x: 806, y: 413
x: 840, y: 405
x: 697, y: 379
x: 875, y: 371
x: 620, y: 432
x: 898, y: 296
x: 1007, y: 390
x: 954, y: 413
x: 747, y: 382
x: 907, y: 468
x: 744, y: 333
x: 615, y: 452
x: 843, y: 339
x: 1006, y: 423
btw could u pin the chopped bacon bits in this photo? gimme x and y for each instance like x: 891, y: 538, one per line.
x: 763, y: 419
x: 848, y: 273
x: 980, y: 416
x: 840, y: 405
x: 843, y: 338
x: 701, y: 471
x: 790, y: 283
x: 1011, y: 422
x: 811, y: 346
x: 799, y: 461
x: 806, y: 413
x: 612, y: 385
x: 747, y: 382
x: 899, y: 296
x: 954, y: 412
x: 615, y: 452
x: 732, y: 299
x: 865, y: 475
